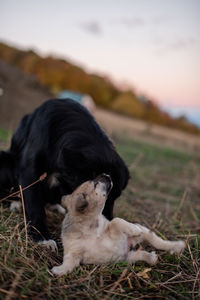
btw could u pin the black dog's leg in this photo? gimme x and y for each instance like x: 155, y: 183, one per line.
x: 34, y: 208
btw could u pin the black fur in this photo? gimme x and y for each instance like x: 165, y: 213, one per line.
x: 60, y: 137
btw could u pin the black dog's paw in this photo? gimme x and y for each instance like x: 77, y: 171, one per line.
x: 16, y: 206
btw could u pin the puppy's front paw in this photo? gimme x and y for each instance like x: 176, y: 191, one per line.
x: 60, y: 270
x: 153, y: 258
x: 49, y: 244
x: 178, y: 247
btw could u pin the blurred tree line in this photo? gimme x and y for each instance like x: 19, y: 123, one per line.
x: 58, y: 74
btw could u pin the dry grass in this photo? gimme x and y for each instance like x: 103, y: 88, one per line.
x: 163, y: 194
x: 152, y: 133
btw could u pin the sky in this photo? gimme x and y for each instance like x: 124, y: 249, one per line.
x: 152, y: 46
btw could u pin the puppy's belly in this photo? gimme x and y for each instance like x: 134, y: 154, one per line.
x: 104, y: 249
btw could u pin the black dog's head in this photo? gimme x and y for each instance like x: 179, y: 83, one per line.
x: 7, y: 173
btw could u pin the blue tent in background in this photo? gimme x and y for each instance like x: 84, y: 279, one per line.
x: 72, y: 95
x: 84, y: 99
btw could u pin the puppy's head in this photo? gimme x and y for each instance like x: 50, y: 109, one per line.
x: 89, y: 198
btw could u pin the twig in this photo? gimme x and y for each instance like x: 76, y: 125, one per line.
x: 129, y: 282
x: 192, y: 258
x: 24, y: 214
x: 136, y: 161
x: 180, y: 204
x: 186, y: 235
x: 119, y: 280
x: 42, y: 177
x: 8, y: 293
x: 194, y: 214
x: 11, y: 293
x: 10, y: 244
x: 171, y: 290
x: 113, y: 293
x: 170, y: 279
x: 195, y: 281
x: 161, y: 235
x: 113, y: 286
x: 179, y: 281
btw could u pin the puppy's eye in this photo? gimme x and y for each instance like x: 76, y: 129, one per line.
x: 81, y: 203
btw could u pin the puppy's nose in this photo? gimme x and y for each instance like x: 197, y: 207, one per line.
x: 105, y: 178
x: 102, y: 178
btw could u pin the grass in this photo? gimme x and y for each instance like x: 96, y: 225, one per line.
x: 163, y: 194
x: 4, y: 135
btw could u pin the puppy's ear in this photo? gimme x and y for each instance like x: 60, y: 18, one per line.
x: 65, y: 201
x: 81, y: 203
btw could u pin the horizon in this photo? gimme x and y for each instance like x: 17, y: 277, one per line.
x: 153, y: 50
x: 192, y: 113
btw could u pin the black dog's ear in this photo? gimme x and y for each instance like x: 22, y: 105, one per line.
x: 81, y: 203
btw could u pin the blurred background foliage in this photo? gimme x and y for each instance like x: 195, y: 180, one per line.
x: 58, y: 74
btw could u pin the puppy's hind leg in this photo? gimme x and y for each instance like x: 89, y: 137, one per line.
x: 141, y: 255
x: 138, y: 234
x: 159, y: 243
x: 120, y: 225
x: 70, y: 261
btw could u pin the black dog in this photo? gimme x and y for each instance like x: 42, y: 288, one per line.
x: 62, y: 139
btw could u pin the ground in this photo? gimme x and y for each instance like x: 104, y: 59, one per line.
x: 163, y: 194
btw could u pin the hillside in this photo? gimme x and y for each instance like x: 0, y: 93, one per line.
x: 22, y: 93
x: 58, y: 74
x: 119, y: 126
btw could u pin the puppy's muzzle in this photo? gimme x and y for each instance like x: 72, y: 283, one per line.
x: 106, y: 179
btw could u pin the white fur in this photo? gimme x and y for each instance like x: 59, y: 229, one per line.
x: 49, y: 244
x: 58, y: 208
x: 89, y: 238
x: 15, y: 206
x: 52, y: 180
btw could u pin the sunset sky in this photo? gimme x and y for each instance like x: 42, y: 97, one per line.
x: 151, y: 45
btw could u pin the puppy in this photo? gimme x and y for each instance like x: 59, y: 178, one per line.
x: 62, y: 139
x: 89, y: 238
